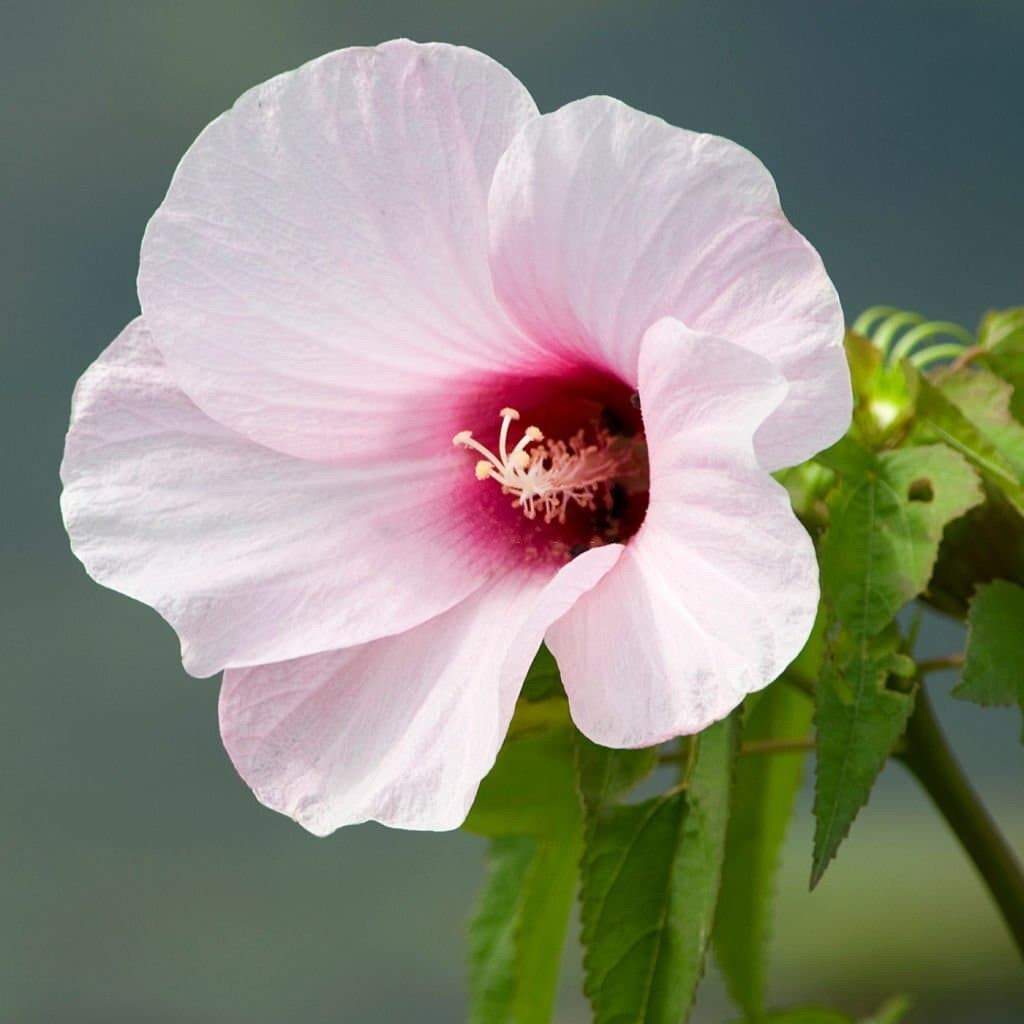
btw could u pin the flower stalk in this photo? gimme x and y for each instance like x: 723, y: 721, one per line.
x: 929, y: 758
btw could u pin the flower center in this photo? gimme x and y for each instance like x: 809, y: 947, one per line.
x: 597, y: 470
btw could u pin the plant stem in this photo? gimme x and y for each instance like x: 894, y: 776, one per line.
x: 928, y: 756
x: 926, y: 665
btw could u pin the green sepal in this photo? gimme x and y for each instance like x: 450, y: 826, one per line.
x: 881, y: 403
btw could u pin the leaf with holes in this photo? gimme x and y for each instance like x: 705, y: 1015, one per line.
x: 885, y: 523
x: 859, y: 719
x: 764, y: 791
x: 992, y: 673
x: 650, y: 879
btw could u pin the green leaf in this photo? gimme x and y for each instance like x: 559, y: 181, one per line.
x: 604, y: 775
x: 529, y: 806
x: 1002, y: 330
x: 764, y: 791
x: 804, y: 1015
x: 543, y: 681
x: 531, y: 790
x: 1001, y: 335
x: 517, y: 933
x: 886, y: 523
x: 891, y: 1013
x: 984, y: 399
x: 859, y: 719
x: 944, y: 420
x: 992, y: 673
x: 650, y: 880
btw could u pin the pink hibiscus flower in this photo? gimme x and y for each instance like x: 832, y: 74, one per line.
x: 390, y: 249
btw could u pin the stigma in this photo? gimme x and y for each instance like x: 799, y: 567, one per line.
x: 546, y: 477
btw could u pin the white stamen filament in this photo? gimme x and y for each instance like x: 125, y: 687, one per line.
x: 554, y: 474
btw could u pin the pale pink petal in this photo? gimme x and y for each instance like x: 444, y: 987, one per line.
x: 717, y: 592
x: 400, y: 730
x: 604, y: 219
x: 252, y: 555
x: 317, y: 275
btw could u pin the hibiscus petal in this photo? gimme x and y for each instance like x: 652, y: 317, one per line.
x: 604, y: 219
x: 401, y: 730
x: 251, y: 555
x: 317, y: 275
x: 718, y: 590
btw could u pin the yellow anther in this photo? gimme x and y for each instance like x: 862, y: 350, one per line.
x: 534, y: 433
x: 483, y: 469
x: 509, y: 414
x: 463, y: 437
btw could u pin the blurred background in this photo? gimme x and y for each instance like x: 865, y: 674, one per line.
x: 139, y: 879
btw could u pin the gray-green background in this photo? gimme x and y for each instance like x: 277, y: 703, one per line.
x: 139, y: 880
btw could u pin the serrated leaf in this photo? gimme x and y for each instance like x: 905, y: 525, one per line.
x: 940, y: 417
x: 984, y: 399
x: 858, y: 720
x: 529, y: 806
x: 764, y: 790
x: 992, y: 673
x: 886, y: 523
x: 517, y: 933
x: 650, y: 879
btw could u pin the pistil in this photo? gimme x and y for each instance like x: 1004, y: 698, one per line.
x: 549, y: 477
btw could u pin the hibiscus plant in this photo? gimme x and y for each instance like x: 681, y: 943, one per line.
x: 519, y: 473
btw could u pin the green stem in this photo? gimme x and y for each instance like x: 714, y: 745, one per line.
x: 928, y: 756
